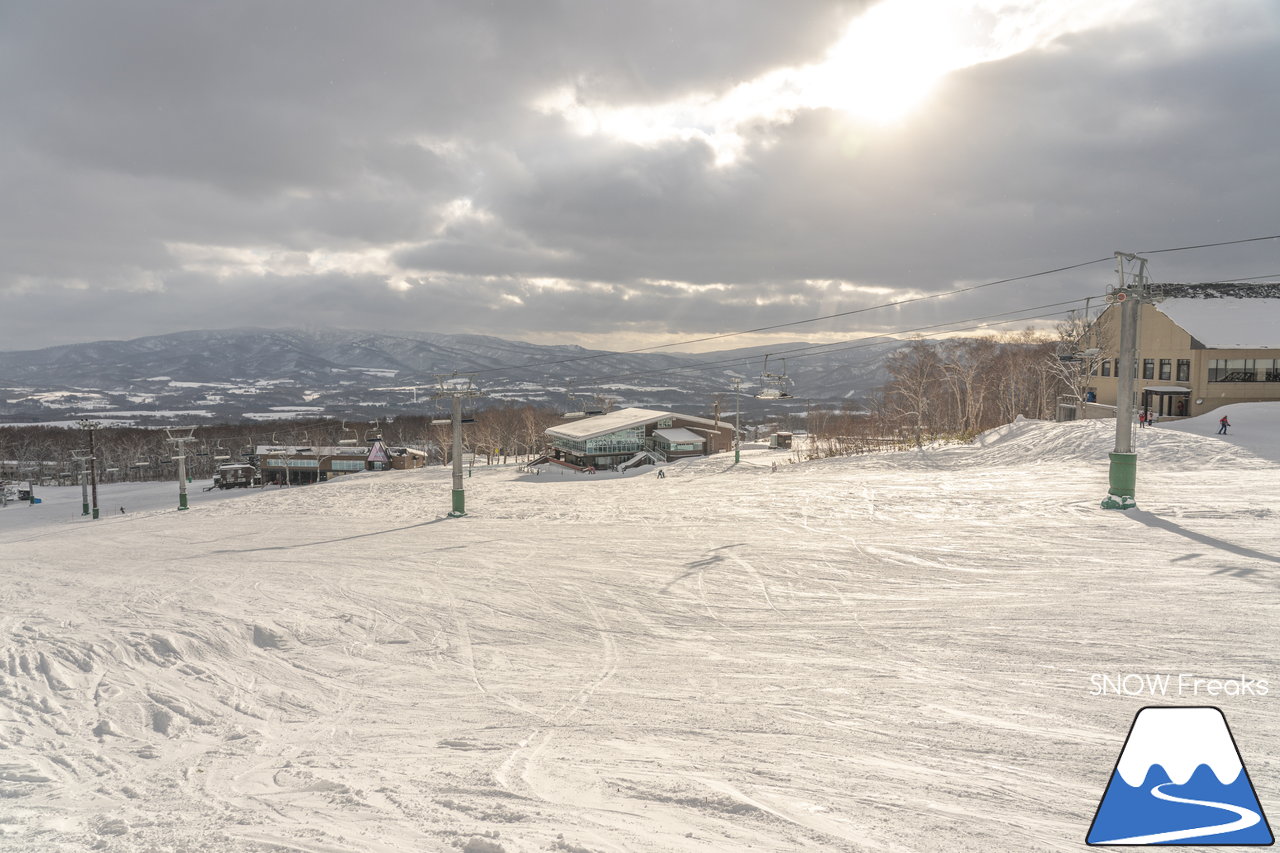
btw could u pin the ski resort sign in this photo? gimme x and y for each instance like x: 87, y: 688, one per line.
x: 1180, y: 780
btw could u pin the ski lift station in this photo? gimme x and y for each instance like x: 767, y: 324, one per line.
x: 629, y: 437
x: 295, y: 465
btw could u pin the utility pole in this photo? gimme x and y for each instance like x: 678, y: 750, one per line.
x: 93, y: 468
x: 81, y: 456
x: 457, y: 389
x: 180, y: 436
x: 737, y: 421
x: 1124, y: 461
x: 89, y: 501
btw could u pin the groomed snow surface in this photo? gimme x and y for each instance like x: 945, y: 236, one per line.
x: 889, y: 652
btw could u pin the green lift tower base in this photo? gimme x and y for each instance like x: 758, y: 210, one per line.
x: 1124, y: 477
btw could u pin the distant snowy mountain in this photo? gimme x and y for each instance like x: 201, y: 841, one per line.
x: 269, y: 373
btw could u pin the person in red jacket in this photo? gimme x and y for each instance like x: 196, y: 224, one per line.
x: 1223, y: 423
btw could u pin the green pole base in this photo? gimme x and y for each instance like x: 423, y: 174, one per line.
x: 459, y: 504
x: 95, y: 512
x: 1123, y: 476
x: 737, y: 457
x: 182, y: 501
x: 84, y: 509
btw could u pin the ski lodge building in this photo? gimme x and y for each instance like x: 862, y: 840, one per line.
x: 1200, y: 346
x: 627, y: 435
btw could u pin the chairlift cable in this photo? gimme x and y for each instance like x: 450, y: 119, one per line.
x: 896, y: 303
x: 850, y: 313
x: 841, y: 346
x: 1209, y: 245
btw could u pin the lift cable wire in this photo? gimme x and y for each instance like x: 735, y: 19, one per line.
x: 1275, y: 279
x: 841, y: 346
x: 893, y: 304
x: 1209, y: 245
x: 853, y: 312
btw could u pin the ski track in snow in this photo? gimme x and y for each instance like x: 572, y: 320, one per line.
x: 879, y: 653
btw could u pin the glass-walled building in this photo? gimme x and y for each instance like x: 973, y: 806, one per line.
x: 616, y: 438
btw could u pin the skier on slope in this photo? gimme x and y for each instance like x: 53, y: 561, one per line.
x: 1223, y: 423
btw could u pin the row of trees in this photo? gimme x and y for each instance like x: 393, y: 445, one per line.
x: 957, y: 388
x: 953, y: 388
x: 963, y: 386
x: 499, y: 434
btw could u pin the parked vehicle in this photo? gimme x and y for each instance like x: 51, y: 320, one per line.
x: 240, y: 476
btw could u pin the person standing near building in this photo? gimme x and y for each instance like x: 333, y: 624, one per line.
x: 1142, y: 419
x: 1223, y: 423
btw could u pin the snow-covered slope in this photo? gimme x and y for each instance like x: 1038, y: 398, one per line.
x: 890, y: 652
x: 1253, y: 427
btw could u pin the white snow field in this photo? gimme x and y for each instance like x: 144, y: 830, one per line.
x: 892, y: 652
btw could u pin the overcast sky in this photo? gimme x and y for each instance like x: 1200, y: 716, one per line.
x: 618, y: 174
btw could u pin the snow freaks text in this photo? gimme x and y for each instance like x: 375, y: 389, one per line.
x: 1146, y: 684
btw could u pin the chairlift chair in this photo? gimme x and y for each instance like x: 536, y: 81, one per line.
x: 348, y: 441
x: 589, y: 407
x: 774, y: 386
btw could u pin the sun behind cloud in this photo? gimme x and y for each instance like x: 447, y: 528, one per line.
x: 880, y: 70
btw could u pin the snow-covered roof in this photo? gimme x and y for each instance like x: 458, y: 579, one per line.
x: 614, y: 421
x: 679, y: 436
x: 309, y: 450
x: 1227, y: 322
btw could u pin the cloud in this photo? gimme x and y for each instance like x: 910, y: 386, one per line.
x: 181, y: 166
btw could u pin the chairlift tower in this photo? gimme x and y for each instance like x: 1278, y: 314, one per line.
x: 92, y: 461
x: 737, y: 420
x: 457, y: 388
x: 180, y: 436
x: 1132, y: 289
x: 82, y: 456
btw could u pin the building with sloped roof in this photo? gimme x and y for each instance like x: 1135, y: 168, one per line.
x: 1200, y: 346
x: 616, y: 438
x: 291, y: 464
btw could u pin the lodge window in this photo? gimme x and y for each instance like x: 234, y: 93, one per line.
x: 1244, y: 370
x: 1148, y: 368
x: 1166, y: 369
x: 1184, y: 370
x: 1106, y: 367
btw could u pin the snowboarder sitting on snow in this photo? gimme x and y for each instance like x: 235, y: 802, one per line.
x: 1223, y: 423
x: 122, y: 510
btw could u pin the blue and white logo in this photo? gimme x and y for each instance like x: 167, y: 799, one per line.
x: 1180, y: 780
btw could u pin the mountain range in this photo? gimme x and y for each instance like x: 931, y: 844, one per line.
x: 279, y: 374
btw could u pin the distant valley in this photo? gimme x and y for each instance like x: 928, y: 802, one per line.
x: 278, y: 375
